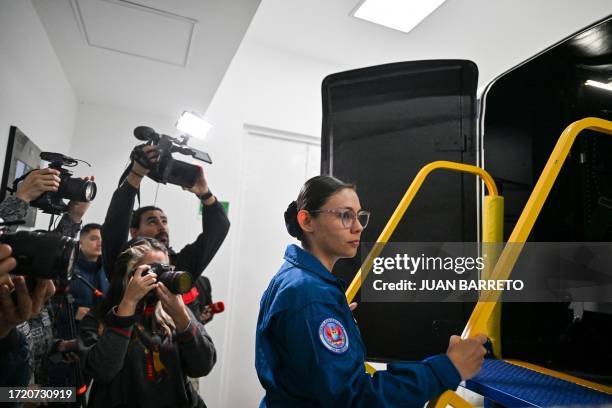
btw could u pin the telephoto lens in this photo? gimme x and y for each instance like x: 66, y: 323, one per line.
x: 44, y: 255
x: 77, y: 189
x: 177, y: 282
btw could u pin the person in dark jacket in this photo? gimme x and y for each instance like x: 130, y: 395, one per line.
x: 140, y: 343
x: 89, y: 267
x: 309, y: 352
x: 62, y: 370
x: 150, y: 221
x: 16, y: 360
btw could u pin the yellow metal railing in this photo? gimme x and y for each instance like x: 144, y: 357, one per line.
x: 484, y: 309
x: 492, y: 220
x: 449, y: 398
x: 405, y: 202
x: 485, y: 317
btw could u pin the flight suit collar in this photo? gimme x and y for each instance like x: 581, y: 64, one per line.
x: 305, y: 260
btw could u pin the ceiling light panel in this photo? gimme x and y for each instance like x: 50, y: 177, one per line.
x: 402, y: 15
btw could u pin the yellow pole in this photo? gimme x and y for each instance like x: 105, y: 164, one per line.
x: 492, y: 238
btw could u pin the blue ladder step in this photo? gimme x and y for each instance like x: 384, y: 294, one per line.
x: 514, y: 386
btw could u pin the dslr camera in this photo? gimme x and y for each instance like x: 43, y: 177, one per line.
x: 42, y: 255
x: 169, y: 169
x: 70, y: 188
x: 177, y: 282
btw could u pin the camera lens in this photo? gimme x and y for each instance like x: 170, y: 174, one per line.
x: 178, y: 282
x: 77, y: 189
x: 90, y: 190
x: 43, y: 255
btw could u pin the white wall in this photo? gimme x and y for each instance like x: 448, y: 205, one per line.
x: 34, y: 92
x: 268, y: 88
x: 104, y: 138
x: 35, y: 95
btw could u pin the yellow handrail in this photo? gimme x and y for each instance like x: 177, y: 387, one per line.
x: 491, y: 224
x: 484, y: 308
x: 448, y: 398
x: 403, y: 206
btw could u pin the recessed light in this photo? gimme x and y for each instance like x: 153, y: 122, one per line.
x: 402, y: 15
x: 596, y: 84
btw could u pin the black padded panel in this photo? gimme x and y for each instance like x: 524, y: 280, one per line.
x: 380, y: 126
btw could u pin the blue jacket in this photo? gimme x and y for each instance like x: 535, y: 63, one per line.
x: 309, y: 350
x: 94, y: 273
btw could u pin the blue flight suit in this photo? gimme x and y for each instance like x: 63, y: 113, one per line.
x: 309, y: 350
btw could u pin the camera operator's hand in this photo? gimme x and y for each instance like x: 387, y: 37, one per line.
x: 139, y: 170
x: 137, y: 288
x: 77, y: 209
x: 467, y: 355
x: 206, y: 315
x: 174, y: 306
x: 81, y: 312
x: 28, y: 305
x: 42, y: 292
x: 7, y: 264
x: 69, y: 348
x: 201, y: 187
x: 38, y: 182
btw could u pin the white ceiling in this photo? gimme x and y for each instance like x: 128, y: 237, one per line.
x: 143, y: 55
x: 495, y: 34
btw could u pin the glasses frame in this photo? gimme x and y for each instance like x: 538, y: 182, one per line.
x: 341, y: 211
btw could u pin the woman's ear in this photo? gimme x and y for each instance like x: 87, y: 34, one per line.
x: 305, y: 221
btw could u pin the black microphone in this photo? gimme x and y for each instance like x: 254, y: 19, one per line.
x: 146, y: 133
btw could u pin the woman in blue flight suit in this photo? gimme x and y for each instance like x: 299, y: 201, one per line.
x: 309, y: 350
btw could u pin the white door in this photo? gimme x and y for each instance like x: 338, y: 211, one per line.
x: 276, y: 165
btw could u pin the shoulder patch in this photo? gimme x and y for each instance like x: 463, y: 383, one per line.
x: 333, y: 336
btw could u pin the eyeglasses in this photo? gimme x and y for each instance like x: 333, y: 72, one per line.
x: 348, y: 216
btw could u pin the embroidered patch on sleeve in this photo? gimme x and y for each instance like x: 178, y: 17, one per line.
x: 333, y: 336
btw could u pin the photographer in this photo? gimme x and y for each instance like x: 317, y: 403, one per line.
x: 141, y: 342
x: 152, y: 222
x: 33, y: 337
x: 15, y: 358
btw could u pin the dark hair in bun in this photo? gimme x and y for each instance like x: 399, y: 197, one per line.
x: 291, y: 221
x: 313, y: 195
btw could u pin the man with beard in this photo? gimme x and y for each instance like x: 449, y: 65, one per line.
x: 152, y: 222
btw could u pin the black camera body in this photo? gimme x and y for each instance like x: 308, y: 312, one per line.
x: 177, y: 282
x: 42, y: 255
x: 70, y: 188
x: 168, y: 169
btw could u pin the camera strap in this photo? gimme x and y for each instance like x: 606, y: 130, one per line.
x: 124, y: 175
x: 139, y: 156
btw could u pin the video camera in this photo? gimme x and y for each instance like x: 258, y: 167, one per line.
x: 71, y: 188
x: 168, y: 169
